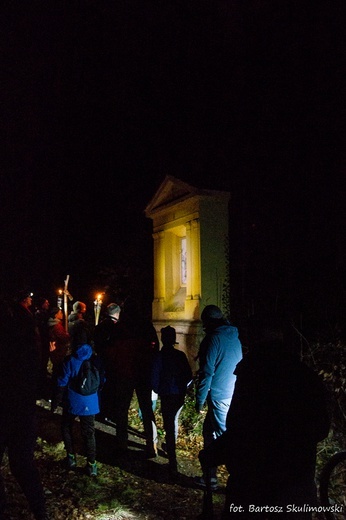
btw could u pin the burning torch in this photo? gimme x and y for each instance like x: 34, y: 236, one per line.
x: 97, y: 307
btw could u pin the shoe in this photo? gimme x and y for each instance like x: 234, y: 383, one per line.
x: 200, y: 482
x: 150, y: 453
x: 92, y: 469
x: 71, y: 461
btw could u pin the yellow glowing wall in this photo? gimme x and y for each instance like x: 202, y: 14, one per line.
x: 201, y: 219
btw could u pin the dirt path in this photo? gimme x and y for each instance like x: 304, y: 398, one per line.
x: 143, y: 487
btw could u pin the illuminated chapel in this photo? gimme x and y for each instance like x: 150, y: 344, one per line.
x: 190, y: 245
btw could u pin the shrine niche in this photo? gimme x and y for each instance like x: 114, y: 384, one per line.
x: 190, y: 237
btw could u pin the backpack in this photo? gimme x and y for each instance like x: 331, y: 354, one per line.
x: 87, y: 381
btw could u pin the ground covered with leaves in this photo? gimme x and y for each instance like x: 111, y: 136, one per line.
x: 127, y: 487
x: 130, y: 486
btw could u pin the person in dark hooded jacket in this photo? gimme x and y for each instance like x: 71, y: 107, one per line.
x: 19, y: 380
x: 219, y: 353
x: 41, y: 320
x: 105, y: 335
x: 78, y: 327
x: 83, y: 406
x: 171, y: 374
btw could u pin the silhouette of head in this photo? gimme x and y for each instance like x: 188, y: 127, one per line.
x: 79, y: 307
x: 211, y: 313
x: 168, y: 336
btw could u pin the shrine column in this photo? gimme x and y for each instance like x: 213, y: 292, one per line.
x: 188, y: 262
x: 196, y: 260
x: 159, y: 266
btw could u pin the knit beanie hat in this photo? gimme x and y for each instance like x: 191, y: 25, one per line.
x: 113, y: 308
x: 79, y: 307
x: 211, y: 312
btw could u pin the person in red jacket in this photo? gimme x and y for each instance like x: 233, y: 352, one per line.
x: 129, y: 361
x: 59, y: 341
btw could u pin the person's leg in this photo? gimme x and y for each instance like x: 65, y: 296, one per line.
x: 219, y: 414
x: 215, y: 421
x: 154, y: 397
x: 153, y: 404
x: 87, y: 426
x: 178, y: 408
x: 214, y: 424
x: 56, y: 368
x: 107, y: 397
x: 171, y: 406
x: 67, y: 425
x: 149, y: 422
x: 123, y: 395
x: 21, y: 445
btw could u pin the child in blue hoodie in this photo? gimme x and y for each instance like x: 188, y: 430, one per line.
x: 77, y: 405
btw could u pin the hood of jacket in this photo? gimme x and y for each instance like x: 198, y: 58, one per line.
x: 211, y: 325
x: 53, y: 321
x: 83, y: 352
x: 224, y: 329
x: 72, y: 317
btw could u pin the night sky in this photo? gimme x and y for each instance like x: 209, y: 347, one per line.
x: 101, y: 100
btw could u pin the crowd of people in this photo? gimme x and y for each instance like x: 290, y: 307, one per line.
x: 265, y: 411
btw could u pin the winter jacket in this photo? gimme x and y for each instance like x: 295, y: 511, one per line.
x: 219, y: 353
x: 79, y: 330
x: 129, y: 354
x: 19, y: 363
x: 75, y: 403
x: 105, y: 333
x: 105, y: 336
x: 58, y: 334
x: 171, y: 372
x: 41, y: 320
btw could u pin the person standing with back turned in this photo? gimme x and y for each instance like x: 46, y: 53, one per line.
x: 220, y: 351
x: 105, y: 335
x: 19, y: 379
x: 41, y: 319
x: 77, y: 405
x: 171, y: 374
x: 78, y: 328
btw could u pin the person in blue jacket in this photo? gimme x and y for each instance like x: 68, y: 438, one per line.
x: 219, y: 353
x: 74, y: 404
x: 171, y: 375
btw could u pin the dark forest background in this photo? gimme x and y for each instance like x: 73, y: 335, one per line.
x: 102, y: 99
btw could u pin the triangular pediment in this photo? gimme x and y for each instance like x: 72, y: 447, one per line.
x: 171, y: 191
